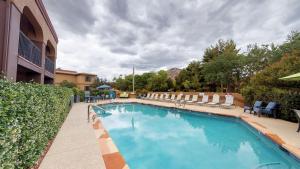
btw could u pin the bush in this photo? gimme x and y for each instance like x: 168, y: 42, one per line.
x: 287, y: 99
x: 266, y: 86
x: 30, y: 116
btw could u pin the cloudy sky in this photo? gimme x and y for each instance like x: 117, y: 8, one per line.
x: 107, y: 37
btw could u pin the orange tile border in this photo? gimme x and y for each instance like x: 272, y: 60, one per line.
x: 114, y: 161
x: 109, y: 151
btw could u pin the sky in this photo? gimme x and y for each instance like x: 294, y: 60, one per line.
x: 108, y: 37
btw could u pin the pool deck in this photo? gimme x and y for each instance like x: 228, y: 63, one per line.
x: 75, y: 146
x: 87, y: 145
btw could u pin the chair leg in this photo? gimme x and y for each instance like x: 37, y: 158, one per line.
x: 298, y: 128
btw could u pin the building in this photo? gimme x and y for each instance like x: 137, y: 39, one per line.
x: 82, y: 80
x: 28, y: 41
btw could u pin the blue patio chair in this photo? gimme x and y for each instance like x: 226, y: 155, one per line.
x: 269, y: 110
x: 255, y: 107
x: 297, y: 112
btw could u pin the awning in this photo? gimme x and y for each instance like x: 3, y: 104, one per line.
x: 104, y: 87
x: 291, y: 77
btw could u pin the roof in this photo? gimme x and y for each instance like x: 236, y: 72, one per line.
x: 71, y: 72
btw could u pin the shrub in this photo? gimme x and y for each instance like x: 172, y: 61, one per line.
x: 266, y: 86
x: 30, y: 116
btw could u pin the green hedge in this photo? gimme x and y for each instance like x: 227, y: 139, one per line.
x: 266, y: 86
x: 287, y: 99
x: 30, y: 116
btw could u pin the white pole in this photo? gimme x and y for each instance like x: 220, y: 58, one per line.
x: 133, y: 79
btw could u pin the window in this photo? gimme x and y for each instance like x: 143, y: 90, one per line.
x: 88, y: 78
x: 86, y: 88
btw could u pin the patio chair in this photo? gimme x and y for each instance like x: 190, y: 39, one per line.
x: 228, y: 101
x: 204, y: 100
x: 186, y: 98
x: 161, y: 96
x: 166, y: 96
x: 172, y: 98
x: 215, y: 101
x: 148, y: 96
x: 178, y: 98
x: 152, y: 96
x: 253, y: 108
x: 156, y: 96
x: 194, y: 99
x: 297, y: 112
x: 269, y: 110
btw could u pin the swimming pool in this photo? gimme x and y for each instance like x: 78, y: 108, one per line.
x: 151, y: 137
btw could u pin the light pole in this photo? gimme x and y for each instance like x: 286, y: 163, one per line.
x: 133, y: 80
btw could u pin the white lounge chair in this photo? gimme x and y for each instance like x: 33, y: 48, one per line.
x: 228, y: 101
x: 178, y: 98
x: 215, y: 101
x: 172, y: 98
x: 194, y: 99
x: 156, y: 96
x: 204, y: 100
x: 147, y: 97
x: 152, y: 96
x: 161, y: 97
x: 186, y: 99
x: 166, y: 96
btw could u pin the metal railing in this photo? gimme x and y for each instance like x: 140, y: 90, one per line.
x: 49, y: 65
x: 28, y: 50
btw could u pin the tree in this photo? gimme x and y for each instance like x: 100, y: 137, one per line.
x: 159, y: 81
x: 191, y: 77
x: 67, y: 84
x: 217, y: 50
x: 225, y: 67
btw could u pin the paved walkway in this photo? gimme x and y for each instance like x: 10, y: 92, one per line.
x: 75, y: 146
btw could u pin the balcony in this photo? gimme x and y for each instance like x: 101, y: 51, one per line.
x: 28, y: 50
x: 49, y: 65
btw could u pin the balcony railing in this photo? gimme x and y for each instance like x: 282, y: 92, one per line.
x: 28, y: 50
x: 49, y: 65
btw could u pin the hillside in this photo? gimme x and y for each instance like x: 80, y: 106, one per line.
x: 173, y: 72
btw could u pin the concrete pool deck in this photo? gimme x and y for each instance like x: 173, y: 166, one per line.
x: 79, y: 144
x: 75, y: 146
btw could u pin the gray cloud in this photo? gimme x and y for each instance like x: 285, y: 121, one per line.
x: 161, y: 34
x: 74, y: 15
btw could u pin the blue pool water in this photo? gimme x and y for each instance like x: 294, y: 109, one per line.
x: 152, y: 137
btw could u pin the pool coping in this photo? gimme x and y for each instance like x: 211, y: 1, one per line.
x: 291, y: 150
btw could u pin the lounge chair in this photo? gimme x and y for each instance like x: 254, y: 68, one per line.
x: 215, y: 101
x: 146, y: 97
x: 178, y: 98
x: 172, y: 98
x: 156, y: 96
x: 166, y: 96
x: 161, y: 96
x: 186, y: 99
x: 204, y: 100
x: 297, y: 112
x: 152, y: 96
x: 194, y: 99
x: 269, y: 110
x: 124, y: 95
x: 228, y: 101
